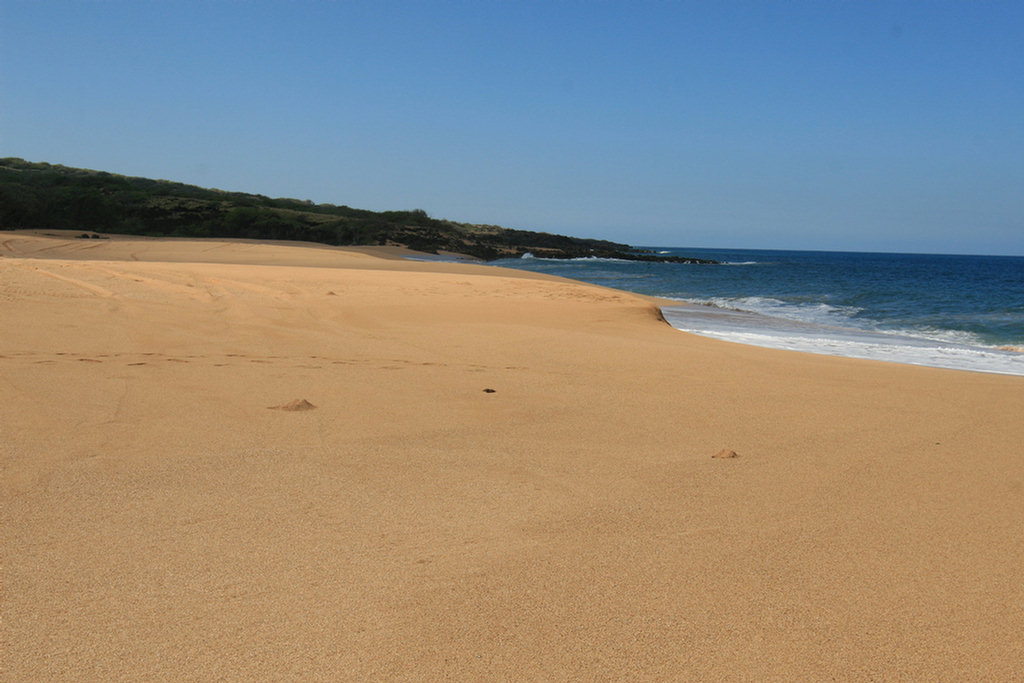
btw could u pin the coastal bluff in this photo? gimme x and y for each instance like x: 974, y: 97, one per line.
x: 37, y: 194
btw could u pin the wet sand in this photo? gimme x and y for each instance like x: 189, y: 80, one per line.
x: 490, y: 475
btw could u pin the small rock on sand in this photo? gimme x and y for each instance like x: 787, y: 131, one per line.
x: 297, y: 404
x: 726, y: 453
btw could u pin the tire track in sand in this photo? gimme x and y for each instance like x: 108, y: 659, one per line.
x: 87, y: 286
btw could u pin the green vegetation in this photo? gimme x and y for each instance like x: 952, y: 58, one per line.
x: 41, y: 195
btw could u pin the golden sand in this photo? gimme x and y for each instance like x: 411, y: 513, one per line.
x: 505, y: 477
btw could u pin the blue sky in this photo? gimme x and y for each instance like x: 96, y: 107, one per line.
x: 877, y: 126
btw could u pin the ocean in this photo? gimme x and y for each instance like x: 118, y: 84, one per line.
x: 948, y: 311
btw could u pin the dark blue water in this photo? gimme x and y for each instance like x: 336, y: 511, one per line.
x: 956, y: 306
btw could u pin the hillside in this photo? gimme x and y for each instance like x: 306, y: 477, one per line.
x: 42, y: 195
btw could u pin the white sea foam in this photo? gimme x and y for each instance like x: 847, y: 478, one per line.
x: 600, y: 259
x: 811, y: 312
x: 528, y: 256
x: 802, y: 335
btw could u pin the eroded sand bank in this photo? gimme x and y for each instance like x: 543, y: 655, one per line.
x: 161, y: 522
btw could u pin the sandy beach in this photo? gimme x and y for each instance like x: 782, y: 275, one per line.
x: 491, y: 476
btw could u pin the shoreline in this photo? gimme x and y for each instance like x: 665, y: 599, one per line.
x: 790, y: 300
x: 498, y: 475
x: 764, y: 331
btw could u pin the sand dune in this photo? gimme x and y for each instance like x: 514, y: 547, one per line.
x: 505, y: 477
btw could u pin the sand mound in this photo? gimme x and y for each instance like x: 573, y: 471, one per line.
x: 296, y: 405
x: 726, y: 453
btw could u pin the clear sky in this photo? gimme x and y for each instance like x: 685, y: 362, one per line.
x: 877, y: 126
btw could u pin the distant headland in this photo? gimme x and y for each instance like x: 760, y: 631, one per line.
x: 42, y: 195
